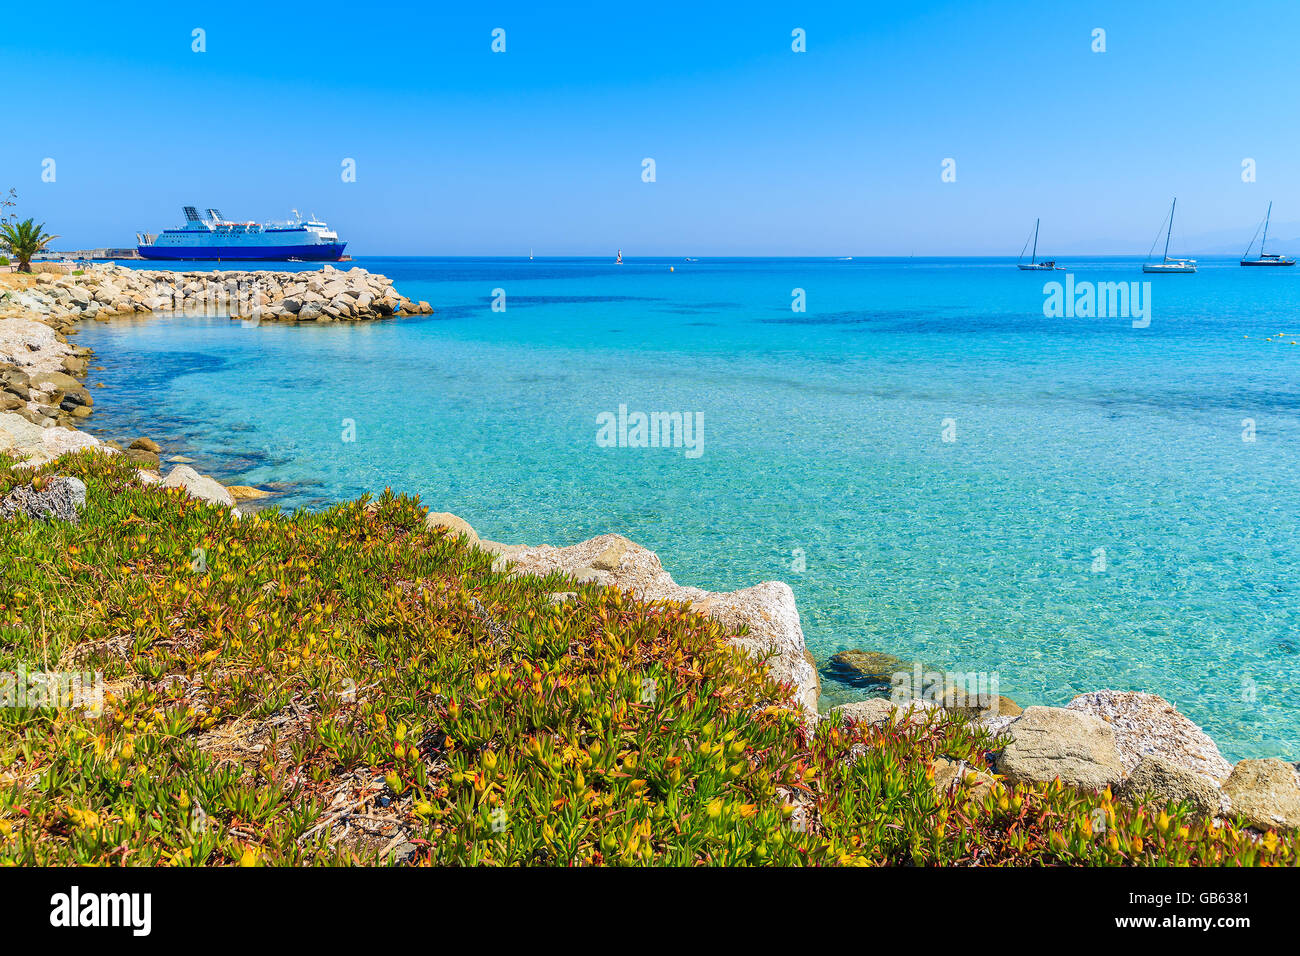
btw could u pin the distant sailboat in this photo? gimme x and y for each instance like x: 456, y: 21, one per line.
x: 1265, y: 258
x: 530, y: 254
x: 1167, y: 264
x: 1033, y: 265
x: 618, y: 260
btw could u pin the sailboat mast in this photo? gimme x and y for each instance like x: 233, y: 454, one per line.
x: 1267, y: 217
x: 1171, y: 227
x: 1033, y: 256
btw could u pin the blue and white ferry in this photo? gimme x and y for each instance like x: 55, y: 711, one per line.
x: 212, y: 236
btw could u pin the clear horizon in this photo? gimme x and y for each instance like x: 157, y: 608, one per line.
x: 758, y: 150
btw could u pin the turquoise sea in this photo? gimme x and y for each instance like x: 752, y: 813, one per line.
x: 823, y: 449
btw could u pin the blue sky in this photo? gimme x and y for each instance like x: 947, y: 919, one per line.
x: 758, y: 150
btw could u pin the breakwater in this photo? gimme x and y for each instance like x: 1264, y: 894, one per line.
x: 329, y: 295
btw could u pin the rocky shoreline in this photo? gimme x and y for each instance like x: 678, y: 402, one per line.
x: 62, y: 299
x: 44, y: 394
x: 1135, y: 744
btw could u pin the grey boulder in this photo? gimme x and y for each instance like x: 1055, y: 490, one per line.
x: 1050, y: 742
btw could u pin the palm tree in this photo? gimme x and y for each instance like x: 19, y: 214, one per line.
x: 24, y: 240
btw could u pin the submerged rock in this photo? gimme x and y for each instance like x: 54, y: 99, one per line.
x: 247, y: 492
x: 1049, y: 742
x: 976, y: 705
x: 869, y: 666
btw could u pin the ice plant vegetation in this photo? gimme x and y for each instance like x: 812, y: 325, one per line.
x: 350, y: 687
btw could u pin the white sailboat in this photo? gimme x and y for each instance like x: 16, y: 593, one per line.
x: 1033, y: 265
x: 1167, y: 264
x: 1265, y: 258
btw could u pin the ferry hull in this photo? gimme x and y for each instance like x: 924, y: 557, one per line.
x: 321, y: 252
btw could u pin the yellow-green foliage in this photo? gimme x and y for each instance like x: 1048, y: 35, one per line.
x: 320, y: 688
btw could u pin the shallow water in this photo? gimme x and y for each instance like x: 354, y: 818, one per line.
x: 823, y: 437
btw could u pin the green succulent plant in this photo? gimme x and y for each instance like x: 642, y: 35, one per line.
x: 347, y: 686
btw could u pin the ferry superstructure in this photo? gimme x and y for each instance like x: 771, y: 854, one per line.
x: 212, y: 236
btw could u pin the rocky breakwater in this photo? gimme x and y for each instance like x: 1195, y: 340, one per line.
x: 61, y: 300
x: 765, y: 612
x: 43, y: 397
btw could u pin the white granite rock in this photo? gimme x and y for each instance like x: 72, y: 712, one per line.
x: 1149, y: 726
x: 199, y: 486
x: 767, y: 609
x: 37, y: 445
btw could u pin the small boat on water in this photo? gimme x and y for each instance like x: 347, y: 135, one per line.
x: 618, y: 259
x: 1168, y: 265
x: 1033, y: 265
x: 1265, y: 258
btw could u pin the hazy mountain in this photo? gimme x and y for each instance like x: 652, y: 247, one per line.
x: 1220, y: 242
